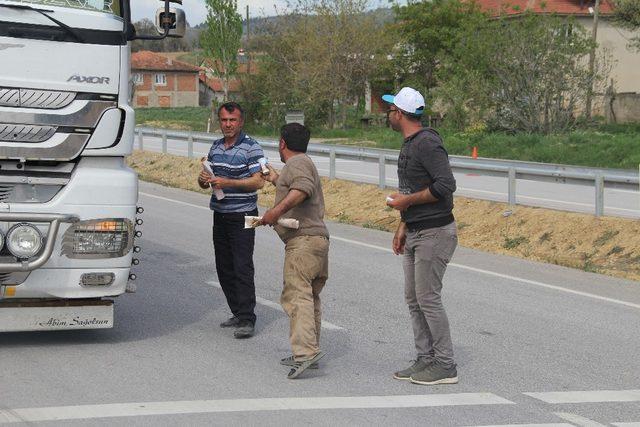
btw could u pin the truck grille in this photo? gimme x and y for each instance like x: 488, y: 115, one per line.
x: 25, y: 133
x: 39, y: 133
x: 5, y: 192
x: 34, y: 98
x: 13, y: 278
x: 31, y: 182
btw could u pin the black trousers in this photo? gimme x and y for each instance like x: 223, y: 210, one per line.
x: 233, y: 247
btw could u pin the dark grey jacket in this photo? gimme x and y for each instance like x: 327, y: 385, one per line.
x: 424, y: 163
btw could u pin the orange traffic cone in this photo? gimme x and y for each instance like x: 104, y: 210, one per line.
x: 474, y: 152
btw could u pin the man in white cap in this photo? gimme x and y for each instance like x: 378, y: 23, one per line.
x: 426, y: 236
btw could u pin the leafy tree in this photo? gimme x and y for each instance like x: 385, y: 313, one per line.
x: 317, y: 58
x: 525, y: 74
x: 220, y: 40
x: 627, y: 14
x: 429, y: 31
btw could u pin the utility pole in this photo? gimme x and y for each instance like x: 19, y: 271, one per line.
x: 592, y: 58
x: 246, y: 48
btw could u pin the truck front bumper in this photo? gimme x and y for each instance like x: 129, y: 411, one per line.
x: 34, y: 315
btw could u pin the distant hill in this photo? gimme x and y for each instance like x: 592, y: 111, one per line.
x: 256, y: 25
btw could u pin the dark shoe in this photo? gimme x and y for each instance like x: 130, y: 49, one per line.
x: 231, y: 322
x: 418, y: 365
x: 245, y: 329
x: 436, y: 374
x: 300, y: 367
x: 290, y: 361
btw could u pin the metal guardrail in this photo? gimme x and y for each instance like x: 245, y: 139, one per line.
x: 512, y: 170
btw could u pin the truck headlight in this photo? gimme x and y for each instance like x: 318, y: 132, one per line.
x: 98, y: 238
x: 24, y: 241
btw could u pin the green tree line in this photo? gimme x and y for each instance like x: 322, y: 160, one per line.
x: 523, y: 74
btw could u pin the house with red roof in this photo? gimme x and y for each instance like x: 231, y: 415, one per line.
x: 557, y: 7
x: 211, y: 85
x: 163, y: 82
x: 212, y: 90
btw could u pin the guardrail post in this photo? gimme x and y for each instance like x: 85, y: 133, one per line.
x: 190, y: 147
x: 599, y: 195
x: 140, y: 140
x: 381, y: 171
x: 164, y: 142
x: 332, y: 164
x: 512, y: 186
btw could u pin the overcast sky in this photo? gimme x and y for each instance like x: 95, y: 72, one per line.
x: 196, y: 11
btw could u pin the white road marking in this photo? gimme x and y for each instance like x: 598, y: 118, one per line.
x: 616, y: 190
x: 84, y: 412
x: 276, y: 306
x: 506, y: 276
x: 632, y: 424
x: 461, y: 266
x: 578, y: 420
x: 593, y: 396
x: 153, y: 196
x: 542, y: 199
x: 529, y: 425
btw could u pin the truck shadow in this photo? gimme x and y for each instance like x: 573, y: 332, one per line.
x: 170, y: 296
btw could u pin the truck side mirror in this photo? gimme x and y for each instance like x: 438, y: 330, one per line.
x: 176, y: 21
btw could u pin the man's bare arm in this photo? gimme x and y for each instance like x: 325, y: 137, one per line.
x: 291, y: 200
x: 253, y: 183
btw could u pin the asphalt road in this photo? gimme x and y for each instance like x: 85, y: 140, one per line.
x: 574, y: 198
x: 535, y: 344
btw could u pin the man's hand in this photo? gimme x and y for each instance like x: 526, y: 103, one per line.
x: 270, y: 217
x: 399, y: 239
x: 272, y: 177
x: 400, y: 202
x: 219, y: 182
x: 203, y: 179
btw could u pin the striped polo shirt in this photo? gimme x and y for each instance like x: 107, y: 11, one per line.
x: 238, y: 162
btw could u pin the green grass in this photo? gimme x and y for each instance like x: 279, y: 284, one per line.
x: 616, y: 148
x: 187, y: 118
x: 606, y: 146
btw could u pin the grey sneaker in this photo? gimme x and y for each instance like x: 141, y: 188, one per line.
x: 300, y: 367
x: 436, y: 374
x: 417, y: 366
x: 290, y: 361
x: 231, y: 322
x: 245, y: 329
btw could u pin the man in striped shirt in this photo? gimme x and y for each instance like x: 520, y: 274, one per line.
x: 234, y: 161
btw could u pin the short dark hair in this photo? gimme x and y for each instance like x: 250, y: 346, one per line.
x: 296, y: 136
x: 230, y: 107
x: 412, y: 117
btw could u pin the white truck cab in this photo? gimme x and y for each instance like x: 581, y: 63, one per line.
x: 68, y: 201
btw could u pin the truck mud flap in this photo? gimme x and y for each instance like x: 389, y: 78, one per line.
x: 55, y: 315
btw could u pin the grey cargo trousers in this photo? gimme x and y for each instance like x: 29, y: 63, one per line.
x: 426, y: 255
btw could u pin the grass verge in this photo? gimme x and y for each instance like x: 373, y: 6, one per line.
x: 604, y: 245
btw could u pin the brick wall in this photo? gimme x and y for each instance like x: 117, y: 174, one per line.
x: 181, y: 90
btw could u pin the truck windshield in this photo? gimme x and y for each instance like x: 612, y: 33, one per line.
x: 107, y: 6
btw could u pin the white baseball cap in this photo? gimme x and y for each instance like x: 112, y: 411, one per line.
x: 408, y: 100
